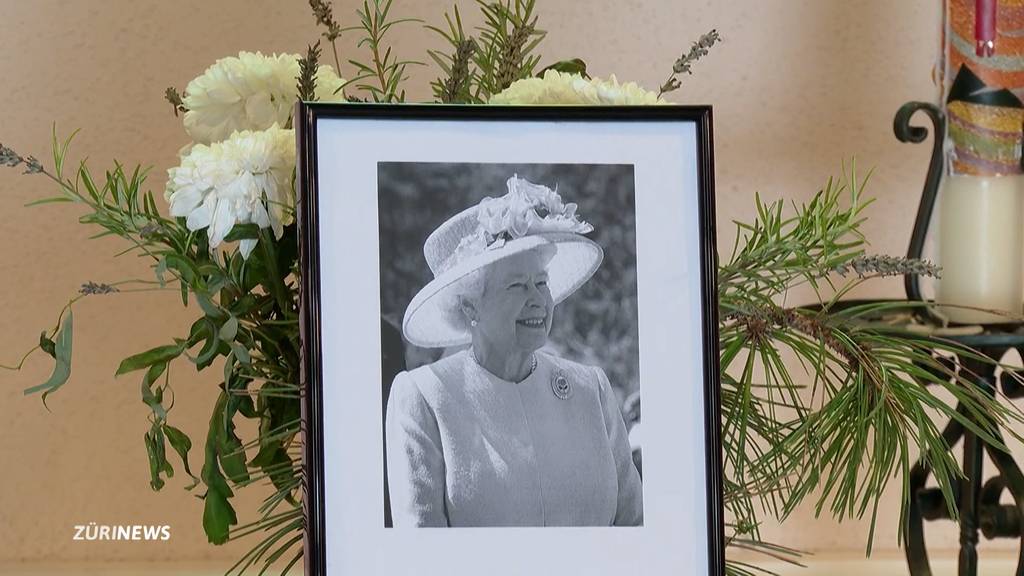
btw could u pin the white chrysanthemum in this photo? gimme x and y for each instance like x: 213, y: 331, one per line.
x: 248, y: 92
x: 225, y: 183
x: 328, y: 85
x: 560, y: 88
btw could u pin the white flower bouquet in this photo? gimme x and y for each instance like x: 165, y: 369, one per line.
x: 228, y: 242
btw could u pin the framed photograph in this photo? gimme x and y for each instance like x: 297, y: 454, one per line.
x: 487, y: 295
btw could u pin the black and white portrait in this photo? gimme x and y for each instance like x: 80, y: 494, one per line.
x: 510, y: 349
x: 489, y: 296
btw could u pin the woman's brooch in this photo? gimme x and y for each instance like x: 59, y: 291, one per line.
x: 560, y: 386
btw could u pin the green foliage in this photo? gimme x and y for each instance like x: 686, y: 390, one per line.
x: 249, y: 318
x: 306, y: 86
x: 456, y: 86
x: 508, y: 38
x: 61, y: 353
x: 867, y: 414
x: 156, y: 356
x: 156, y: 450
x: 218, y: 513
x: 501, y: 53
x: 181, y: 444
x: 381, y: 75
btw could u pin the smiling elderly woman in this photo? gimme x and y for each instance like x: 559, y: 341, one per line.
x: 501, y: 433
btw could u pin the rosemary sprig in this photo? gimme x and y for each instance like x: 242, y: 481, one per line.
x: 307, y: 73
x: 324, y: 14
x: 477, y: 67
x: 383, y: 68
x: 684, y: 64
x: 510, y: 63
x: 508, y: 37
x: 10, y: 158
x: 883, y: 265
x: 455, y: 86
x: 97, y: 288
x: 172, y: 96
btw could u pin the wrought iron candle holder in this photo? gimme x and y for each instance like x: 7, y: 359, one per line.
x: 978, y: 501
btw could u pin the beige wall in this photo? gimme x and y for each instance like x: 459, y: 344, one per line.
x: 798, y: 86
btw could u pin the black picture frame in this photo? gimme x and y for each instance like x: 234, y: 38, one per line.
x: 307, y: 118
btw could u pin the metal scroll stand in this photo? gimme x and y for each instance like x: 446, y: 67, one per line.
x: 979, y: 499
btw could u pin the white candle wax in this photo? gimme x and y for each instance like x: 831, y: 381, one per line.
x: 981, y: 241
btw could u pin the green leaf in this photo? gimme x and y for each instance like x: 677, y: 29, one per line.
x: 161, y: 269
x: 241, y: 353
x: 154, y: 401
x: 51, y: 200
x: 47, y: 345
x: 155, y: 482
x: 208, y: 306
x: 218, y: 514
x: 229, y: 330
x: 246, y: 407
x: 87, y: 181
x: 197, y: 332
x: 210, y: 348
x: 150, y: 357
x: 181, y: 444
x: 184, y: 266
x: 267, y: 454
x: 574, y: 66
x: 228, y: 446
x: 232, y: 457
x: 243, y: 305
x: 243, y: 232
x: 156, y: 450
x: 62, y: 368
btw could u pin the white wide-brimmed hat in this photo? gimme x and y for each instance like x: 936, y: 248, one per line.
x: 528, y: 217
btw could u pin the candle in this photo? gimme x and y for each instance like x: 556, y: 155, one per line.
x: 985, y: 27
x: 981, y: 241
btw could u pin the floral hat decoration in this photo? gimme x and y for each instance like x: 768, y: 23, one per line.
x: 530, y: 216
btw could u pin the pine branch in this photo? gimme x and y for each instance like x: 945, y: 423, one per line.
x: 867, y: 413
x: 760, y: 322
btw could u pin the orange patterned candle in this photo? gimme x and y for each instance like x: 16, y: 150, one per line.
x: 981, y: 199
x: 983, y: 93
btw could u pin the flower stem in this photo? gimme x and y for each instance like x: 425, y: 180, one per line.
x: 337, y: 62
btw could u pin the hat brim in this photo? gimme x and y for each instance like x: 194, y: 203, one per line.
x: 427, y: 321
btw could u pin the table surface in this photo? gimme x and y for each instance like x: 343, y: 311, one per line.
x: 993, y: 562
x: 890, y: 564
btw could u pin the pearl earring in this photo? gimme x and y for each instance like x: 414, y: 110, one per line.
x: 472, y: 323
